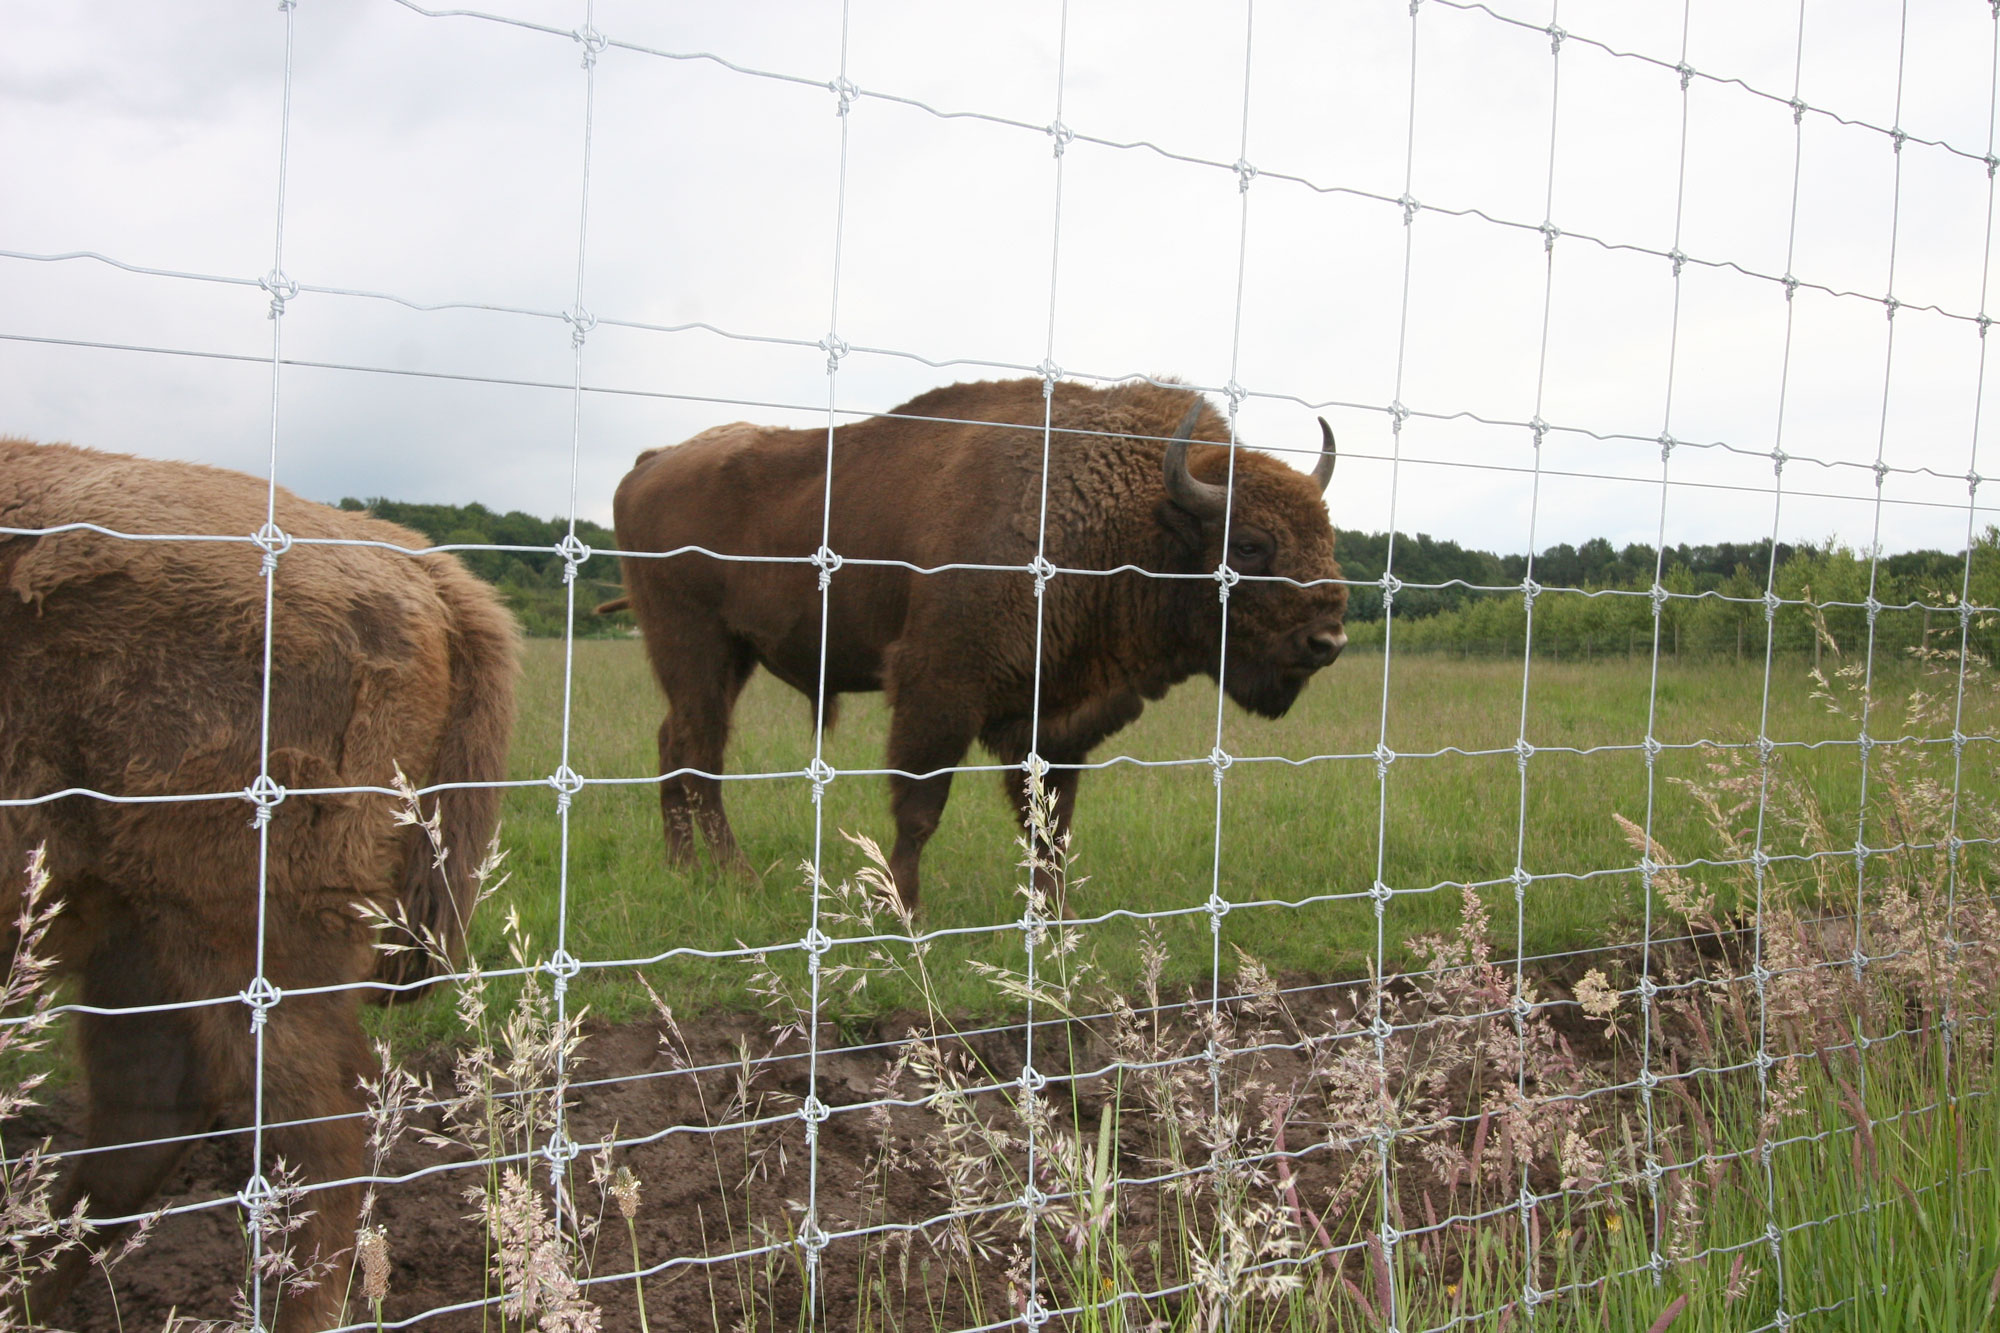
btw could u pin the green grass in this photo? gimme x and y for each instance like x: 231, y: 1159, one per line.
x: 1146, y: 837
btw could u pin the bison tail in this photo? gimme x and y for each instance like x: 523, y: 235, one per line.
x: 437, y: 904
x: 615, y: 605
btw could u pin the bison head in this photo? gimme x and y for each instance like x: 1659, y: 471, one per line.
x: 1279, y: 537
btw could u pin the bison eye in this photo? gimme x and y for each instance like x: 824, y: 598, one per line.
x: 1247, y: 549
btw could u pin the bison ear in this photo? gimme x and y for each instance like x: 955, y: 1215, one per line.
x: 1184, y: 532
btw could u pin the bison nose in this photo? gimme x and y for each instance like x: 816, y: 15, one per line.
x: 1325, y: 645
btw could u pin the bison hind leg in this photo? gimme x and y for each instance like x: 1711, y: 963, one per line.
x: 148, y: 1086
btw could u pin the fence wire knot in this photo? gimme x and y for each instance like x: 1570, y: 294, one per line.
x: 1862, y: 851
x: 1410, y: 208
x: 573, y: 553
x: 1679, y: 259
x: 1778, y: 460
x: 1686, y: 71
x: 1061, y: 134
x: 1531, y: 1295
x: 1391, y: 585
x: 1667, y: 443
x: 1984, y: 322
x: 1881, y: 473
x: 1384, y: 756
x: 262, y: 997
x: 1226, y: 578
x: 1859, y: 962
x: 1540, y: 429
x: 1771, y: 603
x: 563, y: 967
x: 1235, y: 393
x: 256, y: 1197
x: 1556, y: 36
x: 1050, y: 373
x: 1647, y: 989
x: 1034, y: 1314
x: 1523, y: 752
x: 1890, y: 305
x: 844, y: 89
x: 1043, y: 572
x: 1530, y: 590
x: 273, y: 541
x: 1897, y: 138
x: 835, y: 348
x: 580, y: 322
x: 826, y: 560
x: 1380, y: 894
x: 821, y: 774
x: 560, y: 1150
x: 1992, y: 161
x: 567, y: 783
x: 1972, y: 480
x: 813, y: 1239
x: 1381, y: 1029
x: 1217, y: 908
x: 266, y: 794
x: 281, y: 288
x: 1521, y: 879
x: 1220, y: 759
x: 1760, y: 859
x: 1245, y: 173
x: 593, y: 43
x: 1765, y: 1061
x: 1032, y: 1080
x: 1798, y: 106
x: 814, y: 1111
x: 1652, y: 747
x: 1398, y: 414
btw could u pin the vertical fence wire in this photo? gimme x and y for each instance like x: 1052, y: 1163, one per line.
x: 813, y: 1113
x: 1760, y: 861
x: 1380, y: 893
x: 1648, y: 864
x: 1520, y: 1007
x: 561, y: 1150
x: 1954, y: 850
x: 258, y: 1196
x: 1865, y: 742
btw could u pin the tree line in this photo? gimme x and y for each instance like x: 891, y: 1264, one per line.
x: 1596, y: 599
x: 530, y: 581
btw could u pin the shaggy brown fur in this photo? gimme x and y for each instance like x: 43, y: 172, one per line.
x: 954, y: 476
x: 136, y: 669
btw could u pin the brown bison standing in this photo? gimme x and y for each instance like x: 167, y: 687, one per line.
x: 955, y: 477
x: 136, y: 669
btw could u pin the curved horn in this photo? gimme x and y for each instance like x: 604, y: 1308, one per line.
x: 1324, y: 472
x: 1202, y: 499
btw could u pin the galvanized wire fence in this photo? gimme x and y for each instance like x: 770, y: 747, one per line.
x: 1381, y: 1022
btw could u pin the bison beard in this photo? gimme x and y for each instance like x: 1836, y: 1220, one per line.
x: 954, y: 477
x: 136, y: 669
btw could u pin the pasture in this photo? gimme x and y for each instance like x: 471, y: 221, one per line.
x: 1303, y: 819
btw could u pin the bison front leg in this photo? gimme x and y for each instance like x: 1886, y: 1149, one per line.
x: 702, y: 683
x: 1048, y: 837
x: 928, y: 735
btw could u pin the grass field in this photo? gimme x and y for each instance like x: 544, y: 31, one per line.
x: 1146, y: 837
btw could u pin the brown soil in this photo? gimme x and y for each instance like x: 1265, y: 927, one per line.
x: 705, y: 1194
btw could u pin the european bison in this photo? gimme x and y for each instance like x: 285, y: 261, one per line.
x: 955, y: 477
x: 136, y: 669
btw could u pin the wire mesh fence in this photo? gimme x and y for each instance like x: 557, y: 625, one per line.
x: 1705, y: 1014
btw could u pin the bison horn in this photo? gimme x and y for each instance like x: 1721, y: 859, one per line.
x: 1324, y: 472
x: 1201, y: 498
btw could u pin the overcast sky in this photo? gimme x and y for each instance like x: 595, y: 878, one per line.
x: 440, y: 160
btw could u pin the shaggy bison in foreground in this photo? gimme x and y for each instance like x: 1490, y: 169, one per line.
x: 136, y: 669
x: 955, y: 477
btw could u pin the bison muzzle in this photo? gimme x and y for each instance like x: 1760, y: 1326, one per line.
x: 937, y: 511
